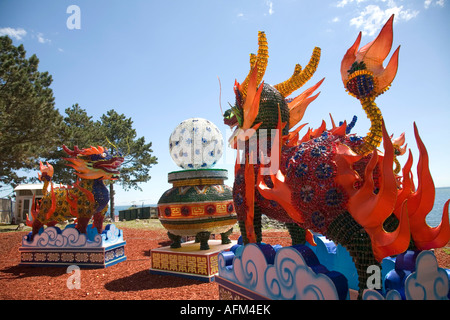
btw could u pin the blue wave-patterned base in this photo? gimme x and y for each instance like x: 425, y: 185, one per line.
x: 336, y: 257
x: 281, y: 273
x: 416, y: 276
x: 56, y: 247
x: 302, y: 272
x: 394, y: 272
x: 70, y: 237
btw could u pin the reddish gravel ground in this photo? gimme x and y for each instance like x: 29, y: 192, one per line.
x: 129, y: 280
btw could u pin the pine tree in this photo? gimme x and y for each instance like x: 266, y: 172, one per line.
x: 29, y: 121
x: 138, y: 156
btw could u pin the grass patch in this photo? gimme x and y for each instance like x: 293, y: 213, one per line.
x: 152, y: 224
x: 12, y: 227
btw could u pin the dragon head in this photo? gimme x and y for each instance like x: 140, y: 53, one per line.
x: 94, y: 162
x: 258, y: 104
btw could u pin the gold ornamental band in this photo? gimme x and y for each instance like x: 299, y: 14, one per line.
x: 196, y: 182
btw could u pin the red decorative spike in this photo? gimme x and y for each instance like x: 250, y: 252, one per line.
x: 53, y: 206
x: 34, y: 213
x: 73, y: 153
x: 72, y: 200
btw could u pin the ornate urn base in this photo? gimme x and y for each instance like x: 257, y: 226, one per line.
x: 199, y: 204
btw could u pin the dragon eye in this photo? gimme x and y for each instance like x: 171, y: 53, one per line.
x: 103, y: 155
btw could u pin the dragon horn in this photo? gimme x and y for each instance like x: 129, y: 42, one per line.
x: 73, y: 153
x: 300, y: 77
x: 261, y: 58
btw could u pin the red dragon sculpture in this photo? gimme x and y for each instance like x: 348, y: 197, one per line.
x: 87, y: 198
x: 330, y: 181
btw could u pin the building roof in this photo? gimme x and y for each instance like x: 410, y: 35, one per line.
x: 29, y: 186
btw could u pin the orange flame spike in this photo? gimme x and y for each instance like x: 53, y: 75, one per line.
x: 377, y: 50
x: 421, y: 203
x: 386, y: 78
x: 346, y: 176
x: 339, y: 131
x: 369, y: 209
x: 316, y: 133
x: 297, y: 107
x: 48, y: 169
x: 28, y: 222
x: 387, y: 244
x: 350, y: 57
x: 310, y: 238
x: 406, y: 190
x: 251, y: 104
x: 332, y: 121
x: 250, y: 201
x: 306, y: 137
x: 356, y: 204
x: 439, y: 235
x: 279, y: 193
x: 293, y: 137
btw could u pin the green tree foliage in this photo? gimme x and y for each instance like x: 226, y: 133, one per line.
x: 29, y: 121
x: 119, y: 132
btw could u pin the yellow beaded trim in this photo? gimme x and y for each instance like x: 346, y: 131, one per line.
x: 375, y: 135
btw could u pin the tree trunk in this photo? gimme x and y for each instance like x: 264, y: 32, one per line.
x: 111, y: 201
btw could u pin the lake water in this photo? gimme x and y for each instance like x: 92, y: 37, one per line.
x: 433, y: 218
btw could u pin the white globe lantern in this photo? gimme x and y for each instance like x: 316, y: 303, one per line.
x: 196, y: 143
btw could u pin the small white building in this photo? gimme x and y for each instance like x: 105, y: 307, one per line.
x: 24, y: 200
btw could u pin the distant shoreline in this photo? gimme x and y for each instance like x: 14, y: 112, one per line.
x: 442, y: 195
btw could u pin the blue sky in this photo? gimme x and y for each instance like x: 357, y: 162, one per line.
x: 158, y: 62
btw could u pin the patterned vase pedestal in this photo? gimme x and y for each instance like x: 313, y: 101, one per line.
x: 56, y: 248
x: 189, y: 261
x: 199, y: 204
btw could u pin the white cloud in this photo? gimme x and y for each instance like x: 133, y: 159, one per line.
x: 373, y: 17
x: 343, y: 3
x: 270, y: 5
x: 427, y: 3
x: 336, y: 19
x: 41, y: 39
x: 17, y: 34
